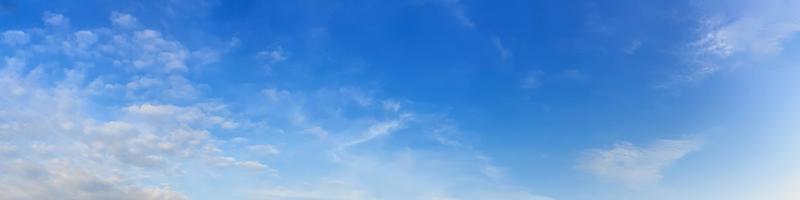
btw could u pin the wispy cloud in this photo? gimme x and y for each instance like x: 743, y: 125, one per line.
x: 762, y: 28
x: 635, y: 165
x: 738, y: 33
x: 532, y: 80
x: 456, y: 8
x: 505, y: 53
x: 377, y: 130
x: 370, y: 156
x: 632, y: 47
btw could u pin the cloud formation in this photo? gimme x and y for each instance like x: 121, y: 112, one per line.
x: 128, y: 129
x: 56, y: 145
x: 505, y: 53
x: 741, y: 32
x: 635, y: 165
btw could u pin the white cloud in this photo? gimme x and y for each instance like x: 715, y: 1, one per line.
x: 264, y: 149
x: 15, y: 37
x: 333, y: 190
x: 127, y: 45
x: 762, y: 28
x: 634, y: 165
x: 156, y: 50
x: 152, y: 110
x: 532, y: 80
x: 633, y: 47
x: 405, y: 175
x: 24, y: 180
x: 123, y: 20
x: 356, y: 169
x: 170, y: 87
x: 317, y: 131
x: 738, y: 33
x: 274, y: 95
x: 272, y: 56
x: 377, y: 130
x: 78, y: 147
x: 253, y: 165
x: 198, y: 115
x: 85, y: 38
x: 55, y: 19
x: 505, y: 53
x: 456, y: 8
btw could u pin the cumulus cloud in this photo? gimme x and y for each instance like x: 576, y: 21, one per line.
x: 56, y: 145
x: 174, y: 87
x: 15, y: 37
x: 124, y: 20
x: 198, y: 115
x: 55, y: 19
x: 635, y: 165
x: 154, y: 50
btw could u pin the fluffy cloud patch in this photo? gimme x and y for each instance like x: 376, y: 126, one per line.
x: 124, y: 20
x: 60, y: 141
x: 55, y: 19
x: 25, y: 180
x: 635, y: 165
x: 154, y: 50
x: 198, y: 115
x: 15, y: 37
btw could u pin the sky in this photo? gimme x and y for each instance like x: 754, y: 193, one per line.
x: 405, y: 100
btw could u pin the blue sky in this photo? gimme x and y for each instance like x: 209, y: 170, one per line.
x: 410, y: 99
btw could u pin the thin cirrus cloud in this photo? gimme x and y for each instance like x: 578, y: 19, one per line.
x: 634, y: 165
x: 740, y: 33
